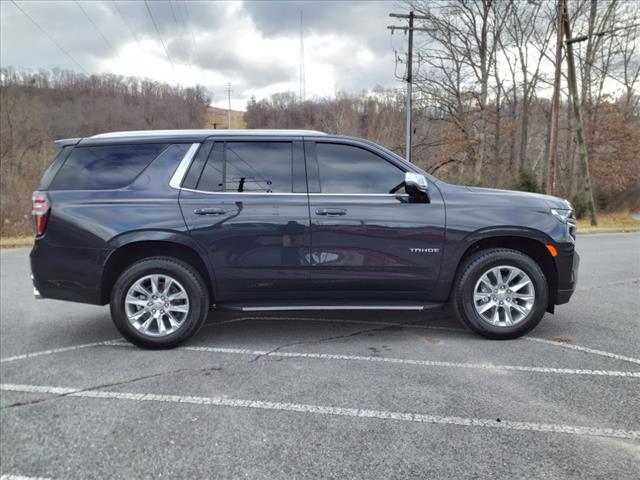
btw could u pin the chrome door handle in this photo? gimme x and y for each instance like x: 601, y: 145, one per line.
x: 331, y: 212
x: 210, y: 211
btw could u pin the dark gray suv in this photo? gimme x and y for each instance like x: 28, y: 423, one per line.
x: 166, y: 225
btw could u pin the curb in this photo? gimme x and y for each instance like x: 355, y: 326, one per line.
x: 609, y: 230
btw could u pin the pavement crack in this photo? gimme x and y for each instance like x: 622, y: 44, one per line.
x: 129, y: 381
x: 398, y: 326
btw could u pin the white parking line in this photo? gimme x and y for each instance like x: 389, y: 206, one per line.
x: 54, y: 350
x: 333, y: 411
x: 402, y: 361
x: 404, y: 325
x: 602, y: 353
x: 426, y: 363
x: 593, y: 351
x: 21, y: 477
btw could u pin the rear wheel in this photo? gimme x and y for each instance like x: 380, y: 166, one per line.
x: 159, y: 302
x: 500, y: 293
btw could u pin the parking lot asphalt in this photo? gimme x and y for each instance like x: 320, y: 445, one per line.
x: 327, y: 395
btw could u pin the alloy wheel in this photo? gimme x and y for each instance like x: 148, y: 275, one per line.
x: 504, y: 296
x: 156, y: 305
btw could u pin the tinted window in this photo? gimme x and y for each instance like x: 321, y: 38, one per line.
x: 348, y: 169
x: 212, y: 178
x: 195, y: 169
x: 248, y: 167
x: 53, y: 168
x: 100, y: 168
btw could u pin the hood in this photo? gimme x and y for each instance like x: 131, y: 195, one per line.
x: 516, y: 198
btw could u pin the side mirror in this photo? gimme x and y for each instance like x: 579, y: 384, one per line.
x: 416, y: 187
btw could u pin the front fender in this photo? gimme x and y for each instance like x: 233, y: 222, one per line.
x: 460, y: 242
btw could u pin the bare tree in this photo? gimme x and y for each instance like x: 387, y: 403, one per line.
x: 458, y: 59
x: 529, y: 24
x: 39, y: 107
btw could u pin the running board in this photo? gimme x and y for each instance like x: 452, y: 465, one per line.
x: 301, y: 307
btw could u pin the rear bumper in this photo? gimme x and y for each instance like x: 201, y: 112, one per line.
x: 567, y: 263
x: 62, y: 273
x: 36, y: 292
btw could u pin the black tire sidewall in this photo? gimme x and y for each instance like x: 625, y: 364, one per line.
x: 188, y: 278
x: 475, y: 268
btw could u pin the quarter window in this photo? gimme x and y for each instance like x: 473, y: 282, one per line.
x: 104, y: 168
x: 248, y: 167
x: 349, y: 169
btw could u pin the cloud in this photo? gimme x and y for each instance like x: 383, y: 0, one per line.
x: 254, y: 45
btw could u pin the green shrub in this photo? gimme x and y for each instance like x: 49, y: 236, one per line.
x: 580, y: 204
x: 528, y: 182
x: 602, y: 198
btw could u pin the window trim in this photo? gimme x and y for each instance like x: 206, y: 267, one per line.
x: 183, y: 166
x: 309, y: 152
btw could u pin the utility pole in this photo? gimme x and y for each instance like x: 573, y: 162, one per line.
x: 555, y: 115
x: 409, y: 77
x: 577, y: 110
x: 229, y: 109
x: 302, y: 79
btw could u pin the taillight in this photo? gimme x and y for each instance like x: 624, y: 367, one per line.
x: 40, y: 212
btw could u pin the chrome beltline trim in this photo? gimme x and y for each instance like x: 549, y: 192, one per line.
x: 298, y: 193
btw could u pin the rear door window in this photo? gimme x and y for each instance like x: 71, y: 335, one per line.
x: 104, y: 167
x: 248, y: 167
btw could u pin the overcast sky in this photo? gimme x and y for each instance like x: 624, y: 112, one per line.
x: 255, y: 45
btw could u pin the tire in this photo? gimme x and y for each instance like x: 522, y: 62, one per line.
x: 174, y: 280
x: 468, y: 306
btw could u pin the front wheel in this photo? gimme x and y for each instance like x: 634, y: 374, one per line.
x: 159, y: 302
x: 500, y: 293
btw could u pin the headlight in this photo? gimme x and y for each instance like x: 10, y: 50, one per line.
x: 563, y: 214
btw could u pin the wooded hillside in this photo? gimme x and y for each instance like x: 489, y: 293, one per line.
x: 38, y: 108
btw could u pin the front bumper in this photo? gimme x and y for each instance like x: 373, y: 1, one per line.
x: 567, y: 264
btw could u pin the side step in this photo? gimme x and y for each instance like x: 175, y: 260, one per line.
x: 254, y: 307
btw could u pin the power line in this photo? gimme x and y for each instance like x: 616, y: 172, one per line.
x: 603, y: 72
x: 582, y: 38
x: 182, y: 23
x: 193, y: 40
x: 166, y: 52
x: 60, y: 47
x: 178, y: 24
x: 95, y: 27
x: 126, y: 22
x: 173, y: 12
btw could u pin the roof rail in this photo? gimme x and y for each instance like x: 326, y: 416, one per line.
x: 205, y: 132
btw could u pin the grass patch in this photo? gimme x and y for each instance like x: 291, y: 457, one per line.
x: 621, y: 221
x: 18, y: 241
x: 217, y: 118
